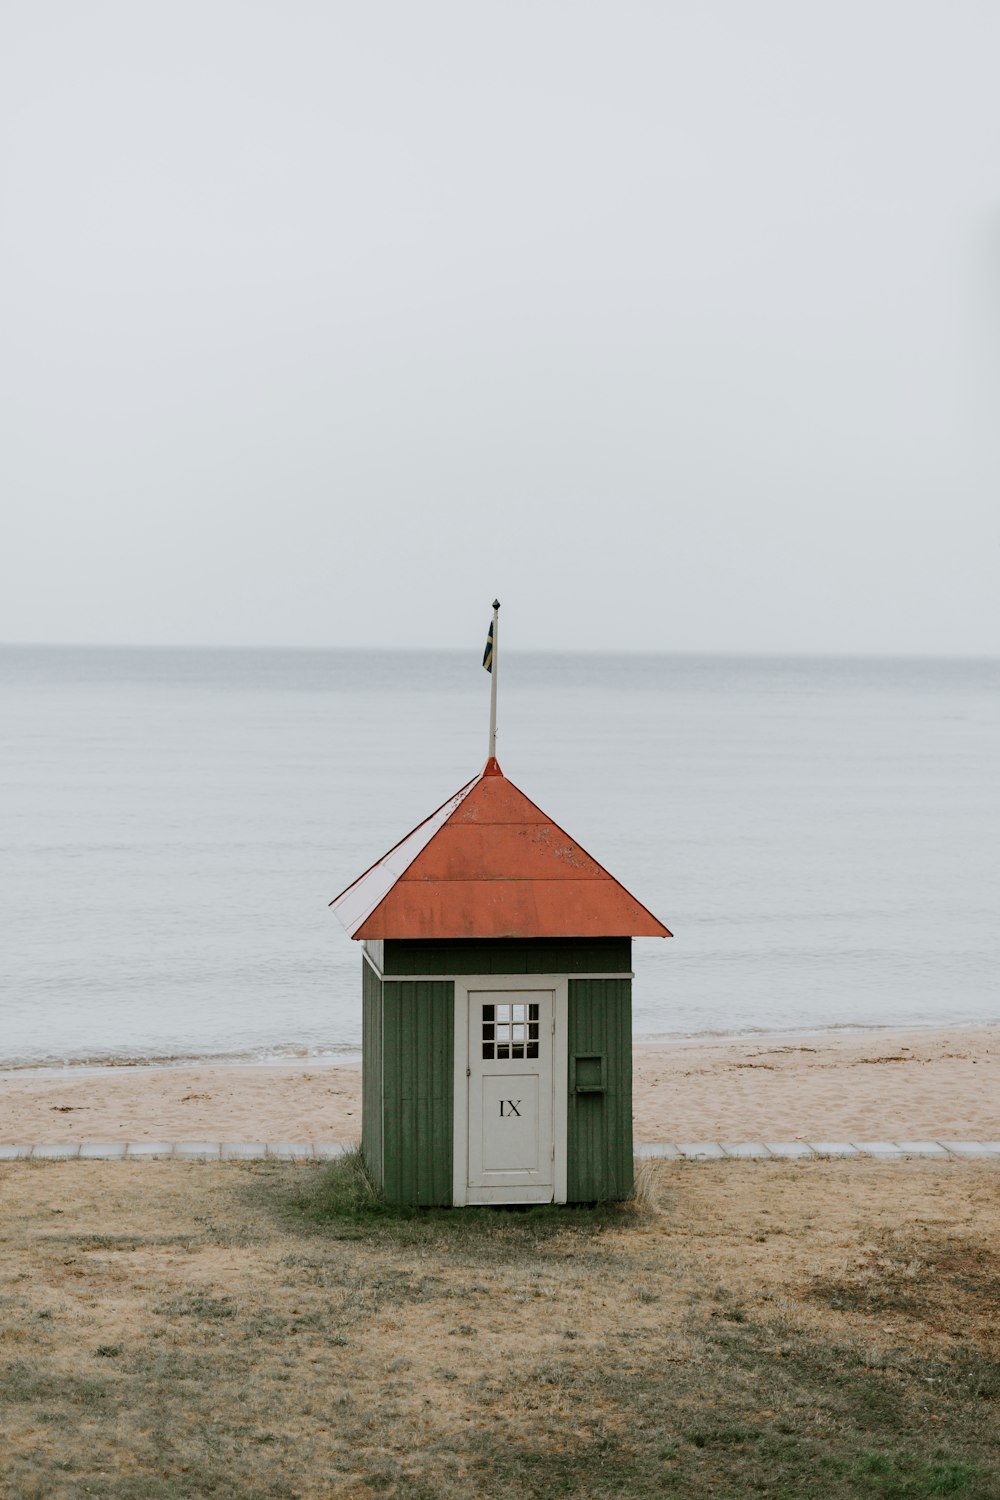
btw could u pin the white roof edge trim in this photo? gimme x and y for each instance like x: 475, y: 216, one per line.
x: 356, y: 904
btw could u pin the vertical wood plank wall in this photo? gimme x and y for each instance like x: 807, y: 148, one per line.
x: 418, y: 1090
x: 371, y: 1071
x: 600, y: 1125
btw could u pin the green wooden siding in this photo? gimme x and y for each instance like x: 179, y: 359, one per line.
x: 418, y: 1090
x: 600, y: 1123
x: 509, y: 956
x: 371, y: 1070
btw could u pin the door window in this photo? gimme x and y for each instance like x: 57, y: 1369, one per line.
x: 510, y: 1031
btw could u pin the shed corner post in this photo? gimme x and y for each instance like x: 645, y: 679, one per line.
x: 373, y: 1070
x: 560, y: 1093
x: 460, y: 1117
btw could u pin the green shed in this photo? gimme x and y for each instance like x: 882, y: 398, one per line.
x: 497, y: 993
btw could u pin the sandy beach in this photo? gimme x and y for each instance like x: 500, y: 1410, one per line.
x: 914, y: 1085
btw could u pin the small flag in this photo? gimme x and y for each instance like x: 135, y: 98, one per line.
x: 488, y: 653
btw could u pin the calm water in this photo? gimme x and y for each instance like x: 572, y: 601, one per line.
x: 821, y: 835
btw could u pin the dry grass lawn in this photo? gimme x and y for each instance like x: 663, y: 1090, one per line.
x: 261, y: 1330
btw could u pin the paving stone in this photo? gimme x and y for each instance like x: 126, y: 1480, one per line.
x: 879, y: 1148
x: 97, y: 1151
x: 244, y: 1151
x: 745, y: 1149
x: 922, y: 1148
x: 834, y: 1148
x: 969, y: 1148
x: 291, y: 1151
x: 789, y: 1148
x: 701, y: 1150
x: 15, y: 1153
x: 331, y: 1150
x: 148, y: 1148
x: 658, y: 1151
x: 55, y: 1152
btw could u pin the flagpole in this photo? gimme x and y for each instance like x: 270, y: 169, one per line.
x: 493, y: 681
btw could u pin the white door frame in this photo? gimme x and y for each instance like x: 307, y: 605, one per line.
x: 559, y: 989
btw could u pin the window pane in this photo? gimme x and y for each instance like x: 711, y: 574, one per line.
x: 518, y: 1033
x: 503, y: 1012
x: 503, y: 1033
x: 532, y: 1049
x: 488, y: 1050
x: 518, y: 1012
x: 532, y: 1012
x: 488, y: 1030
x: 503, y: 1053
x: 487, y: 1012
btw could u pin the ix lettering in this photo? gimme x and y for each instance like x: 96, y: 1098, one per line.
x: 512, y: 1108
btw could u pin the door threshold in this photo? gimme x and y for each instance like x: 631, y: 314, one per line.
x: 484, y: 1197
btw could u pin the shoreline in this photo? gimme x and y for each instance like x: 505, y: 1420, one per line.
x: 347, y: 1055
x: 913, y: 1083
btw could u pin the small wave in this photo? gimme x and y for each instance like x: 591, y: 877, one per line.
x: 834, y: 1028
x: 330, y: 1056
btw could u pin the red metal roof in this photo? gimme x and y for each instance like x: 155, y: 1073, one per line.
x: 490, y: 864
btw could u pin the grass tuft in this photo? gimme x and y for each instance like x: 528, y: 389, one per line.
x: 705, y: 1437
x: 339, y: 1200
x: 884, y: 1476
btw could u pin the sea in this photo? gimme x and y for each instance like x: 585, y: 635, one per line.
x: 821, y: 835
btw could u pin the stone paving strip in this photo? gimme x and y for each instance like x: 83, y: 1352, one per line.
x: 329, y: 1150
x: 790, y: 1150
x: 179, y: 1151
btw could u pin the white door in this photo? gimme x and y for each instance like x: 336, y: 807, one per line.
x: 511, y: 1157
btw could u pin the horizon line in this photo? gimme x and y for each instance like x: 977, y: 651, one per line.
x: 874, y: 654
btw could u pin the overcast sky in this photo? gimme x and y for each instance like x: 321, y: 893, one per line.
x: 675, y: 324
